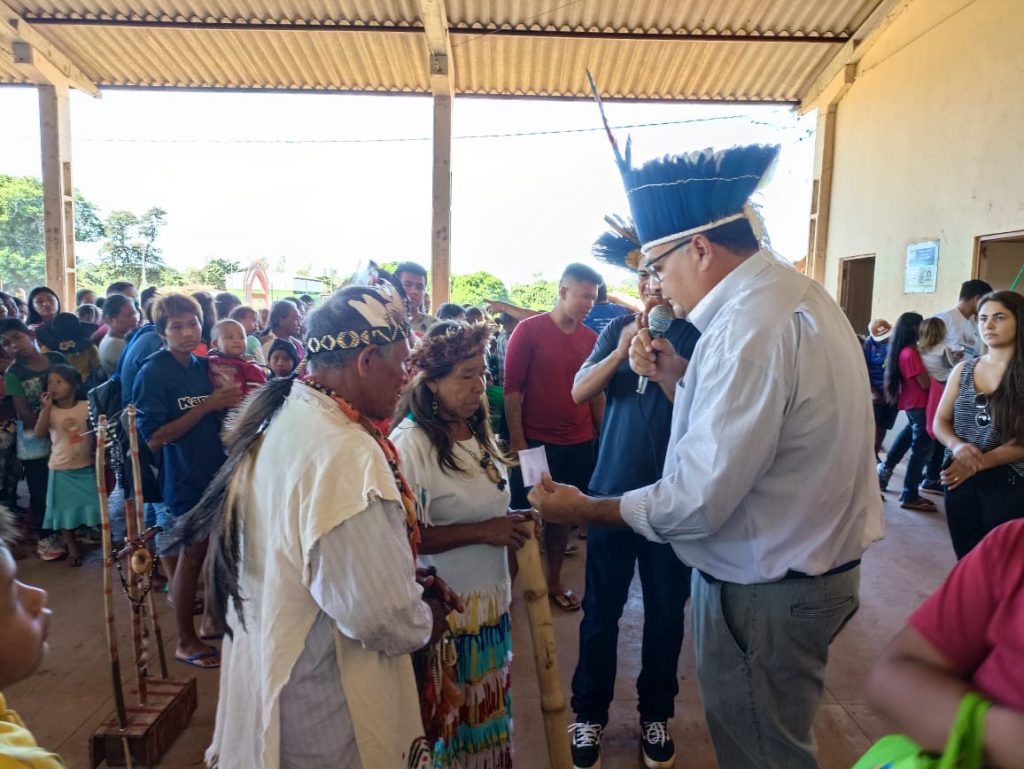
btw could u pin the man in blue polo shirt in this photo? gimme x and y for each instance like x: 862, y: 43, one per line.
x: 632, y: 452
x: 179, y: 420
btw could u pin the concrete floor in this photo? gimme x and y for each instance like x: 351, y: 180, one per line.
x: 71, y: 693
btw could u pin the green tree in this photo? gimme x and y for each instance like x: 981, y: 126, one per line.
x: 22, y: 248
x: 476, y: 288
x: 129, y: 251
x: 540, y: 294
x: 216, y: 272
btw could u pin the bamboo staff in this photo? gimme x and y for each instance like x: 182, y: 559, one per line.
x: 108, y: 565
x: 545, y: 657
x: 133, y: 446
x: 132, y: 531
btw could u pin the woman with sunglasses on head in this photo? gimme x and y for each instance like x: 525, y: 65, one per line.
x: 980, y: 421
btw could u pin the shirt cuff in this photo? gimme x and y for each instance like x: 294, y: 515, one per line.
x: 633, y: 507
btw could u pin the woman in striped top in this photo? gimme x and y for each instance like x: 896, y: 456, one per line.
x: 981, y: 423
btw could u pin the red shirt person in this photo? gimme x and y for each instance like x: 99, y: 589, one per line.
x: 541, y: 360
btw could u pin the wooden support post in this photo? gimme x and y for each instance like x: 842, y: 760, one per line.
x: 440, y: 68
x: 441, y: 201
x: 824, y: 162
x: 58, y: 203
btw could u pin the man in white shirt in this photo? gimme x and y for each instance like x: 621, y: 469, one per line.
x: 768, y: 489
x: 962, y: 321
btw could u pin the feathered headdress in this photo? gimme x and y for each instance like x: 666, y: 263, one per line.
x: 453, y: 344
x: 384, y: 321
x: 618, y: 245
x: 677, y: 196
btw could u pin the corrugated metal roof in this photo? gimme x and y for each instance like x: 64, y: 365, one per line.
x: 758, y: 50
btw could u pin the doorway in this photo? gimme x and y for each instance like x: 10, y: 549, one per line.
x: 999, y: 260
x: 856, y: 286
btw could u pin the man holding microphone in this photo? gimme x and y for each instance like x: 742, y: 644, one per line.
x: 631, y: 455
x: 769, y: 489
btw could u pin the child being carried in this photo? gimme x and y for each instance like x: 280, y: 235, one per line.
x: 228, y: 361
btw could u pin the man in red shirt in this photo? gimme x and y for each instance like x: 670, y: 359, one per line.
x: 541, y: 361
x: 968, y: 636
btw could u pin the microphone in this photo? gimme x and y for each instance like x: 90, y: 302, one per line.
x: 658, y: 321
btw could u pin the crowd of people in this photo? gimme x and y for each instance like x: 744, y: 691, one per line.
x: 340, y: 501
x: 959, y: 377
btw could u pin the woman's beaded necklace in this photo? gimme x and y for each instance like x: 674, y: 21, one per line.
x: 486, y: 462
x: 408, y: 500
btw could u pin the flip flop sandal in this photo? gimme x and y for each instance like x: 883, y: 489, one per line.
x: 195, y: 659
x: 566, y: 600
x: 920, y: 505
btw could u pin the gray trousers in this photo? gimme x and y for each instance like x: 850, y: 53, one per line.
x: 761, y: 655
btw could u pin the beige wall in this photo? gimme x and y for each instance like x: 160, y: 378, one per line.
x: 930, y: 146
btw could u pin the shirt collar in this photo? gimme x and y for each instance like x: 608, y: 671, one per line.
x: 708, y: 307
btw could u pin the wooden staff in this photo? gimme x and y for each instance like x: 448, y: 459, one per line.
x: 138, y: 650
x: 545, y: 657
x: 133, y: 446
x: 108, y: 565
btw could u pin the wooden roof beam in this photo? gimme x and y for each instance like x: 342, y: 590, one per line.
x: 831, y: 82
x: 37, y: 58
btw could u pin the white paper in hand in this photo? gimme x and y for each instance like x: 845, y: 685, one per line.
x: 533, y: 462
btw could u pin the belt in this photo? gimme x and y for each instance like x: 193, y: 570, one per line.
x: 792, y: 574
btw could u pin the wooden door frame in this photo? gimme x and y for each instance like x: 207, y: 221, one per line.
x: 842, y: 270
x: 980, y: 240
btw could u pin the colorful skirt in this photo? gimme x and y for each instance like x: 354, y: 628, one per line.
x: 479, y: 734
x: 72, y: 499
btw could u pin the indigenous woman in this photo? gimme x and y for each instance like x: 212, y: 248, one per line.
x: 458, y: 475
x: 980, y: 421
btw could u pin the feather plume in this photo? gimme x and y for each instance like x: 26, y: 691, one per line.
x: 618, y: 245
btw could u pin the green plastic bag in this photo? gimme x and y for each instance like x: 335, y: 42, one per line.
x: 965, y: 748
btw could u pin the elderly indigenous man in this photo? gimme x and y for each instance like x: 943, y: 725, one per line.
x: 313, y: 546
x: 768, y: 489
x: 631, y: 454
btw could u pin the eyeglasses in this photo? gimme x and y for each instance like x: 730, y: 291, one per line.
x: 655, y: 273
x: 984, y: 416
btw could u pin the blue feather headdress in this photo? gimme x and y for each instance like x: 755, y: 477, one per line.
x: 677, y: 196
x: 618, y: 245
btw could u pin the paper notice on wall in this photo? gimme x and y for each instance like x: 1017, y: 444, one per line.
x: 922, y: 267
x: 533, y: 463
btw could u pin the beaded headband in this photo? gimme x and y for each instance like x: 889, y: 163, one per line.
x: 384, y: 313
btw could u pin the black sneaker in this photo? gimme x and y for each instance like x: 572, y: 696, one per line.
x: 934, y: 487
x: 586, y: 745
x: 657, y: 746
x: 884, y: 474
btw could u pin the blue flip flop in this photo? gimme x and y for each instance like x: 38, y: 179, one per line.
x: 194, y: 659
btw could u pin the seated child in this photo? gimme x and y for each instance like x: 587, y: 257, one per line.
x: 24, y: 623
x: 228, y: 362
x: 282, y: 358
x: 250, y: 320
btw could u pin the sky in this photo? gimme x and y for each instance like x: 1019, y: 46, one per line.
x: 325, y: 180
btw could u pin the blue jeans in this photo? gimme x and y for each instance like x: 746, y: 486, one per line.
x: 761, y: 656
x: 612, y: 554
x: 915, y: 438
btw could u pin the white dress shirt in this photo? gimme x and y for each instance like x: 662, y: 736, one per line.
x: 770, y: 465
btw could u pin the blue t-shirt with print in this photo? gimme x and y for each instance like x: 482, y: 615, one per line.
x: 603, y: 314
x: 164, y: 391
x: 634, y: 436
